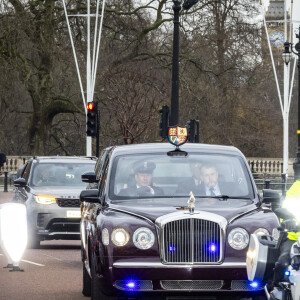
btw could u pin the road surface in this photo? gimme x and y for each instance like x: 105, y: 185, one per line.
x: 52, y: 272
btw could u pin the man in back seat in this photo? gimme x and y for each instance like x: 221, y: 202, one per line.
x: 192, y: 184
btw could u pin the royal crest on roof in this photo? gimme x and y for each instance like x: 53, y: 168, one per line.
x: 177, y: 135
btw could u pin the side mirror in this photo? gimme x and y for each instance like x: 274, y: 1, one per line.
x: 89, y: 196
x: 271, y: 197
x: 89, y: 177
x: 20, y: 182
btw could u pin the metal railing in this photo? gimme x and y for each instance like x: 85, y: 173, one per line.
x: 274, y: 182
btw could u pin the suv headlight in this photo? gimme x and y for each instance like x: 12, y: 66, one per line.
x: 143, y: 238
x: 261, y: 231
x: 119, y: 236
x: 45, y: 199
x: 238, y: 238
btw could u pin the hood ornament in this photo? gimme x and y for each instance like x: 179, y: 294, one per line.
x: 191, y: 203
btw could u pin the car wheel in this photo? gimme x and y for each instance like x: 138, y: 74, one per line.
x: 96, y: 285
x: 33, y: 242
x: 86, y: 282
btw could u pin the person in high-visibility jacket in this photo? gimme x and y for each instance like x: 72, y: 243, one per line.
x: 291, y: 203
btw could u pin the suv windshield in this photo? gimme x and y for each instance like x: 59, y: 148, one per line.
x: 60, y: 174
x: 206, y: 175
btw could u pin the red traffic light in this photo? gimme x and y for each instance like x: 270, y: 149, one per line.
x: 90, y: 106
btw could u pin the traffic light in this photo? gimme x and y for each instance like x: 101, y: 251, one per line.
x: 197, y: 129
x: 164, y: 121
x: 193, y: 131
x: 92, y: 113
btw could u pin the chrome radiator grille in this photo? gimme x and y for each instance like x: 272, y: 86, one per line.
x: 192, y: 241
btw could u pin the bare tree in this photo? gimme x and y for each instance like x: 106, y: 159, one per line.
x: 30, y: 44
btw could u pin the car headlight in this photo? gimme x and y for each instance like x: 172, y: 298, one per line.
x: 119, y: 236
x: 45, y: 199
x: 261, y: 231
x: 238, y: 238
x: 143, y: 238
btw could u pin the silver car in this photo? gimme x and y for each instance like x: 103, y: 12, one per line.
x: 50, y: 188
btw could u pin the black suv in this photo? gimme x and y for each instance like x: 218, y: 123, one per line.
x: 50, y: 188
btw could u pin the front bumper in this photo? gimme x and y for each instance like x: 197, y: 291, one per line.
x: 153, y: 276
x: 121, y: 264
x: 53, y: 222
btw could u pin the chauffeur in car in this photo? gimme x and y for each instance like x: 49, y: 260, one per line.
x: 136, y: 244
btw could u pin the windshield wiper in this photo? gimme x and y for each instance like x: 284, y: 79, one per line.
x: 224, y: 197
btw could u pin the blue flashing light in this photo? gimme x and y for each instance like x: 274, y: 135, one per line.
x: 254, y: 284
x: 287, y: 273
x: 172, y: 248
x: 212, y: 248
x: 131, y: 284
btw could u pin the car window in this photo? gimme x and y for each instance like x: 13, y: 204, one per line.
x: 100, y: 163
x: 26, y: 172
x: 102, y: 182
x: 60, y: 174
x: 175, y: 176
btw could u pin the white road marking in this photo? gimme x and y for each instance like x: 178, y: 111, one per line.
x: 30, y: 262
x: 33, y: 263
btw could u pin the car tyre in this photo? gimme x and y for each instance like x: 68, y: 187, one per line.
x: 86, y: 282
x: 33, y: 242
x: 96, y: 285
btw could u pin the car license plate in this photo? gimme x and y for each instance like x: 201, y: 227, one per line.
x: 73, y: 214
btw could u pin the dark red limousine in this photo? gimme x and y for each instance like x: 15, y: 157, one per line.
x: 171, y: 222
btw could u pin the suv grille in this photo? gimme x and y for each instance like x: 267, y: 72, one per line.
x: 68, y: 202
x: 192, y: 241
x: 64, y: 225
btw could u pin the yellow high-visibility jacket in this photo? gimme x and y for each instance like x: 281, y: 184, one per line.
x: 291, y: 195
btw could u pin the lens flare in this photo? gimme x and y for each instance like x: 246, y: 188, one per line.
x: 212, y: 248
x: 131, y: 284
x: 172, y: 248
x: 254, y: 284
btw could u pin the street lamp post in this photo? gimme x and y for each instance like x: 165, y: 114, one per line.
x: 174, y: 118
x: 187, y: 4
x: 296, y: 164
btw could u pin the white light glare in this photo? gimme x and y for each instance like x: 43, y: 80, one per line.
x: 292, y: 204
x: 251, y: 254
x: 13, y: 231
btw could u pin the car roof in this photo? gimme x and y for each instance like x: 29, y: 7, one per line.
x: 165, y: 147
x: 64, y: 159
